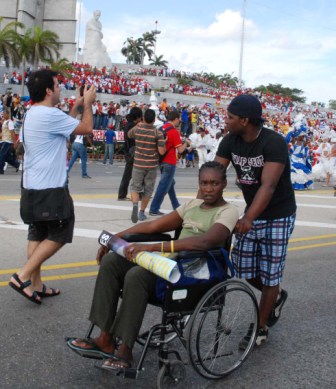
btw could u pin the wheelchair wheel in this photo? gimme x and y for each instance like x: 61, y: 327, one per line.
x: 170, y: 335
x: 171, y: 375
x: 220, y: 321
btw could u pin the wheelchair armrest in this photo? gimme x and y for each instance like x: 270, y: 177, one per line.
x: 147, y: 237
x: 196, y: 254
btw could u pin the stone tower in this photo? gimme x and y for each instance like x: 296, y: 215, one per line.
x: 58, y: 16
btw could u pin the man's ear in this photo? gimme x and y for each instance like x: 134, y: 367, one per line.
x: 244, y: 121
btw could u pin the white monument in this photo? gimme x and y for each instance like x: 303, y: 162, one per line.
x: 94, y: 52
x: 153, y: 105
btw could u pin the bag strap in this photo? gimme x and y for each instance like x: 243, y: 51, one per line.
x: 227, y: 260
x: 22, y: 131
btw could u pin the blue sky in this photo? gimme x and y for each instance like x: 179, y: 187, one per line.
x: 288, y: 42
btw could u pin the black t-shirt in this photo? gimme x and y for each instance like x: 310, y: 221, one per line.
x: 129, y: 142
x: 248, y: 160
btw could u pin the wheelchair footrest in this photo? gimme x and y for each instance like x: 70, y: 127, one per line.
x: 128, y: 372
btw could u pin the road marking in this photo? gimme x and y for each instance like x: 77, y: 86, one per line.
x: 88, y: 233
x: 93, y: 263
x: 318, y: 194
x: 56, y: 267
x: 294, y: 240
x: 62, y: 277
x: 311, y: 246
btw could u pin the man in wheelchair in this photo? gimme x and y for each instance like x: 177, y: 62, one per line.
x: 205, y: 224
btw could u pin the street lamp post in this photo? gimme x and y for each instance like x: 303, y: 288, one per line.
x: 79, y: 29
x: 240, y: 71
x: 156, y: 33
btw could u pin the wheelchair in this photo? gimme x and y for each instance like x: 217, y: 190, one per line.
x: 208, y: 319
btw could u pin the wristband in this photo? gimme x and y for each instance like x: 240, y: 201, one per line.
x: 171, y: 246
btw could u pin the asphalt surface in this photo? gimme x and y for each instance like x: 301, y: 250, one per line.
x: 301, y: 349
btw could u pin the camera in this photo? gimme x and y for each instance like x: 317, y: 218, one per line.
x: 81, y: 89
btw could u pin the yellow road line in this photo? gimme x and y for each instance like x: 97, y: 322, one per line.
x: 311, y: 246
x: 54, y: 267
x: 312, y: 238
x: 94, y: 263
x: 62, y: 277
x: 94, y: 273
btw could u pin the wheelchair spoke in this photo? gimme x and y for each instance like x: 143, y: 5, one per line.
x: 220, y: 321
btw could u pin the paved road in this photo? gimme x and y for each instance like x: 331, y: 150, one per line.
x: 301, y: 349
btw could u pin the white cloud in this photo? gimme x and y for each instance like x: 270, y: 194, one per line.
x: 227, y: 25
x: 293, y: 57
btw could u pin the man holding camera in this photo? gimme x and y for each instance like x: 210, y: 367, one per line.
x: 45, y: 132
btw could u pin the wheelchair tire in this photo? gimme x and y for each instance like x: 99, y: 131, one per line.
x: 220, y: 321
x: 171, y: 375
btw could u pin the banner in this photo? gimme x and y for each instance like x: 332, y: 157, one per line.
x: 163, y: 267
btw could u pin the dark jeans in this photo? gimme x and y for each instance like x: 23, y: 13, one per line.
x: 166, y: 185
x: 126, y: 178
x: 7, y: 154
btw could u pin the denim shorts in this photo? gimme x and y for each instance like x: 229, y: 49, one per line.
x: 261, y: 252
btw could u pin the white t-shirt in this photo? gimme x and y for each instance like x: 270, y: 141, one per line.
x: 7, y: 127
x: 79, y: 139
x: 45, y: 133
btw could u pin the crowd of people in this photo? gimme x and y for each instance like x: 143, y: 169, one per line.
x: 202, y: 125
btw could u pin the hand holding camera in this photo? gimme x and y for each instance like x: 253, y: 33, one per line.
x: 88, y: 92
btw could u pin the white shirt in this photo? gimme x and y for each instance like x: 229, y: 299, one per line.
x: 45, y: 132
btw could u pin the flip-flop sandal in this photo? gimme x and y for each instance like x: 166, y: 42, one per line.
x: 44, y: 293
x: 117, y: 361
x: 20, y: 289
x: 94, y: 351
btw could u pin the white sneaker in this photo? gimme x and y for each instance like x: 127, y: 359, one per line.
x: 5, y: 167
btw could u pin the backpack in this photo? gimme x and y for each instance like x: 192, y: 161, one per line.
x: 164, y: 132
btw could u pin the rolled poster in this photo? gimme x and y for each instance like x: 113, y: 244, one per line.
x: 163, y: 267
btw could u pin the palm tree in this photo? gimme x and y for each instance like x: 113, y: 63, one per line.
x: 135, y: 50
x: 131, y: 50
x: 45, y: 45
x: 62, y: 66
x: 159, y: 61
x: 23, y: 44
x: 229, y: 79
x: 8, y: 39
x: 147, y: 42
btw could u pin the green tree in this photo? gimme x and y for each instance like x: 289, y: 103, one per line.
x: 158, y: 61
x: 277, y: 89
x: 131, y: 51
x: 36, y: 45
x: 332, y: 104
x: 229, y: 79
x: 184, y: 81
x: 23, y: 44
x: 45, y: 45
x: 147, y: 44
x: 135, y: 50
x: 8, y: 43
x: 62, y: 66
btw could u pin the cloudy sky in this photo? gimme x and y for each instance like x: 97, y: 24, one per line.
x: 288, y: 42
